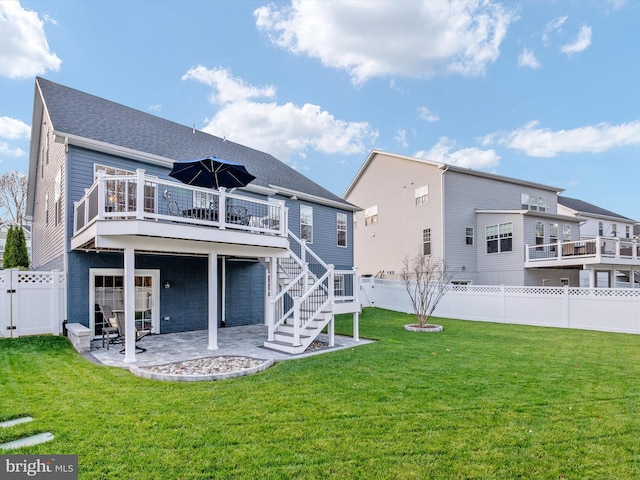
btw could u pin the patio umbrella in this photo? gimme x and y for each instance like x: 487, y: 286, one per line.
x: 211, y: 172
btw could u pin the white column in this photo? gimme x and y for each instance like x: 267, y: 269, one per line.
x: 213, y: 301
x: 129, y: 306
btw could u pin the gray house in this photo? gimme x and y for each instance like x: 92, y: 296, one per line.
x: 490, y: 229
x: 170, y: 256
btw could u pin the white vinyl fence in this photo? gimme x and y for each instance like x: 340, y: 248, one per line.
x: 604, y: 309
x: 31, y: 303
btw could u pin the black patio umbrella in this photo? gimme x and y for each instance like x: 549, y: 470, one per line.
x: 211, y: 172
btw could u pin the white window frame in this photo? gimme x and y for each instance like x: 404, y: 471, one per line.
x: 566, y: 233
x: 306, y: 223
x: 341, y: 227
x: 426, y: 241
x: 57, y: 196
x: 499, y: 233
x: 371, y: 216
x: 469, y: 234
x: 422, y: 195
x: 536, y: 203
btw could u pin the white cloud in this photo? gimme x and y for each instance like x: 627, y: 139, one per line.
x: 6, y: 150
x: 554, y: 25
x: 528, y: 59
x: 388, y: 38
x: 401, y: 138
x: 425, y: 114
x: 543, y: 142
x: 227, y: 88
x: 283, y: 130
x: 582, y: 41
x: 465, y: 157
x: 13, y: 129
x: 155, y: 108
x: 24, y: 50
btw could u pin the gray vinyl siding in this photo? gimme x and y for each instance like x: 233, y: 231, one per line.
x: 463, y: 195
x: 390, y: 183
x: 503, y: 267
x: 47, y: 237
x: 325, y: 233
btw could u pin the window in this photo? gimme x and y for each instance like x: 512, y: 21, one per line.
x: 46, y: 209
x: 426, y: 241
x: 371, y: 216
x: 627, y: 231
x: 468, y: 235
x: 539, y: 226
x: 500, y: 238
x: 566, y: 233
x: 564, y: 282
x: 422, y: 195
x: 306, y: 223
x: 600, y: 228
x: 341, y: 226
x: 533, y: 202
x: 553, y: 235
x: 614, y: 230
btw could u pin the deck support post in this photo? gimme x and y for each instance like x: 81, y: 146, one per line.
x: 213, y: 301
x: 129, y: 306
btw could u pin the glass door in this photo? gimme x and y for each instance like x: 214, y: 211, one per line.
x: 107, y: 288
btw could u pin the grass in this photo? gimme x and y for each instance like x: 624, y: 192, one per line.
x: 476, y: 401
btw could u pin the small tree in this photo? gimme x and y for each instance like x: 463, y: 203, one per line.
x: 15, y: 250
x: 426, y: 280
x: 13, y: 196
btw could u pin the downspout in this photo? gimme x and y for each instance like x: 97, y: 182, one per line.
x: 442, y: 202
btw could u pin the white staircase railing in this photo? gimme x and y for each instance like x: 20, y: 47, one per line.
x: 305, y: 289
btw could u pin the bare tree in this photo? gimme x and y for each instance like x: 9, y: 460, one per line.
x: 13, y: 197
x: 426, y: 280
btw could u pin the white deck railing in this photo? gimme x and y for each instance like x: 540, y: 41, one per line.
x: 142, y: 197
x: 603, y: 248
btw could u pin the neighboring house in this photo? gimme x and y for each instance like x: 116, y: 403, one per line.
x: 489, y: 229
x: 4, y: 228
x: 612, y: 230
x: 165, y: 254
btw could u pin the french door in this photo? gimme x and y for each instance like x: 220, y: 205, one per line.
x: 106, y: 286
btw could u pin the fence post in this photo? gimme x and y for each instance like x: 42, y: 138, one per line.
x: 565, y: 310
x: 55, y: 302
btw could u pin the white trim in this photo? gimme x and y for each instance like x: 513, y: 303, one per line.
x: 155, y: 292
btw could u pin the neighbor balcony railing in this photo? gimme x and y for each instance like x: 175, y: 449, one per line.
x: 598, y: 247
x: 143, y: 197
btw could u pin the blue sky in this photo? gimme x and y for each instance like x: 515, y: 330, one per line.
x: 545, y: 91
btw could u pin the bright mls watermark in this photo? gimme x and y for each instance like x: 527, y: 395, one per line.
x: 50, y: 467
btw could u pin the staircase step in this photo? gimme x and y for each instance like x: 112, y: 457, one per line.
x: 284, y: 347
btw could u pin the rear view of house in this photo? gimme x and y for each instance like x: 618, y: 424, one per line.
x: 171, y: 256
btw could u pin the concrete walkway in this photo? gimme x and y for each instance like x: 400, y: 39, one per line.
x: 243, y: 341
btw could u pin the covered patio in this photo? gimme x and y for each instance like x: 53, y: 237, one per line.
x: 245, y: 341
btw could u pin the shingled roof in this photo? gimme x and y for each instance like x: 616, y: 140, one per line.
x: 77, y: 114
x: 581, y: 206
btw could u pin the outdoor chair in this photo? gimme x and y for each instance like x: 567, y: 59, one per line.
x: 110, y: 327
x: 238, y: 215
x: 139, y: 333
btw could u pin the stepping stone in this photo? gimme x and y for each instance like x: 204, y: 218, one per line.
x: 15, y: 421
x: 27, y: 441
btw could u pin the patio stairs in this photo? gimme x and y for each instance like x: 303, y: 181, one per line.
x: 301, y: 304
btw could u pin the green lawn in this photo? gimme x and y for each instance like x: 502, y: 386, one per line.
x: 476, y: 401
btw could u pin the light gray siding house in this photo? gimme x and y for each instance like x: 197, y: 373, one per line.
x: 171, y: 256
x: 610, y: 230
x: 489, y: 229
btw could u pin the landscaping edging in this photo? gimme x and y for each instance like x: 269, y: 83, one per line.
x: 144, y: 372
x: 430, y: 328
